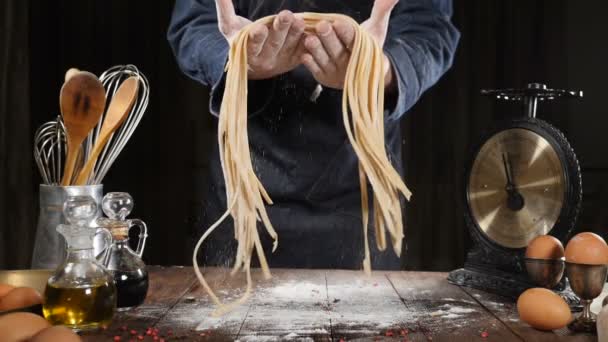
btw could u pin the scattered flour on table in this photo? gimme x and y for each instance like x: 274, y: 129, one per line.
x: 306, y: 308
x: 297, y: 310
x: 458, y: 300
x: 495, y: 304
x: 261, y: 338
x: 451, y: 315
x: 457, y: 309
x: 450, y: 311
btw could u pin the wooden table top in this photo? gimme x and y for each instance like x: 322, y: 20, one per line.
x: 324, y: 305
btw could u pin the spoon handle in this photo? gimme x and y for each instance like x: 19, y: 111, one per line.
x: 84, y: 174
x: 70, y: 163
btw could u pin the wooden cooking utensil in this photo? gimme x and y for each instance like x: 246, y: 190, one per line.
x: 82, y: 101
x: 71, y: 72
x: 121, y: 105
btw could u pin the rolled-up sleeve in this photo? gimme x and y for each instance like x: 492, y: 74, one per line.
x: 201, y: 52
x: 421, y: 43
x: 199, y: 47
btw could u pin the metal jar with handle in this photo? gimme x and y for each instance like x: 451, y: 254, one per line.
x: 49, y: 247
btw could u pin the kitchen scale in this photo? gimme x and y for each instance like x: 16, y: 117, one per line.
x: 523, y: 180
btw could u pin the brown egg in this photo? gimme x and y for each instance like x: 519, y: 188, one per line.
x: 545, y: 247
x: 20, y: 297
x: 543, y: 309
x: 587, y: 248
x: 56, y: 333
x: 4, y: 289
x: 20, y: 326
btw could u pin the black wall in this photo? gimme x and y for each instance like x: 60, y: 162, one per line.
x: 504, y: 44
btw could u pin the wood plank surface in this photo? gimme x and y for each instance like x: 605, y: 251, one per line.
x: 506, y: 310
x: 366, y: 307
x: 293, y: 305
x: 323, y: 305
x: 167, y: 286
x: 444, y: 312
x: 195, y: 309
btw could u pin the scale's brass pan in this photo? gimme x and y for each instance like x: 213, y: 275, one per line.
x: 537, y: 174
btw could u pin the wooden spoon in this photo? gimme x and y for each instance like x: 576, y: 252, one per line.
x: 82, y: 101
x: 71, y: 72
x: 119, y: 109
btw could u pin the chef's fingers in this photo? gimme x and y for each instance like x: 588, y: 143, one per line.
x: 381, y: 11
x: 294, y: 36
x: 330, y: 41
x: 277, y: 34
x: 377, y: 24
x: 345, y: 32
x: 225, y: 16
x: 314, y: 68
x: 257, y: 36
x: 315, y: 48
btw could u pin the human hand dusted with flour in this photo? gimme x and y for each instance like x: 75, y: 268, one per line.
x: 328, y: 52
x: 279, y: 48
x: 271, y: 51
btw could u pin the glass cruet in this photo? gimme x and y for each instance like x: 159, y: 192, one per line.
x: 81, y: 293
x: 126, y: 265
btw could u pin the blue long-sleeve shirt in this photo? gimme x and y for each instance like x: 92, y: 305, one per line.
x: 299, y: 147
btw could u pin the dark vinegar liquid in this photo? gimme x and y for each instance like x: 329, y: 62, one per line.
x: 132, y: 288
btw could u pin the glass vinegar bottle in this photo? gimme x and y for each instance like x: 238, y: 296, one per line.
x: 126, y: 265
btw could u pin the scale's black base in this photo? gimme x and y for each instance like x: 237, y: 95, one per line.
x: 506, y: 284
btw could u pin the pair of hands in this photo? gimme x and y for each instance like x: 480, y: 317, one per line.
x: 278, y: 49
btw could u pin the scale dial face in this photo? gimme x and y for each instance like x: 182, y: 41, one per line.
x: 516, y: 187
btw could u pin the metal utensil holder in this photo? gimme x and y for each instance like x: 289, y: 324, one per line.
x: 49, y: 247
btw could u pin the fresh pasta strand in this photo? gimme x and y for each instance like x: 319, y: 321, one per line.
x: 363, y: 116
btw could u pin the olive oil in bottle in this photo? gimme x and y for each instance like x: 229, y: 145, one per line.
x: 81, y: 308
x: 81, y: 294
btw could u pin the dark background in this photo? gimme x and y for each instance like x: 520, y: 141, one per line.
x: 504, y: 44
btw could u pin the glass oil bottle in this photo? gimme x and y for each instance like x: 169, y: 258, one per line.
x: 81, y: 294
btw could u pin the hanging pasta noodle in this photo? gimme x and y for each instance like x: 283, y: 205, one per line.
x: 362, y: 109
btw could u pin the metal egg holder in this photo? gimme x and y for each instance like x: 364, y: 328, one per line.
x: 494, y: 267
x: 586, y: 282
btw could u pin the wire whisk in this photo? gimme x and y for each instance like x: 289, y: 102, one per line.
x: 111, y: 80
x: 50, y: 151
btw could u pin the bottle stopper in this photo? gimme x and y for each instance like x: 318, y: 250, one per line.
x: 116, y: 206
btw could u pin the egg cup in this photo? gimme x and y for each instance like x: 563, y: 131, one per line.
x: 545, y: 273
x: 587, y: 282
